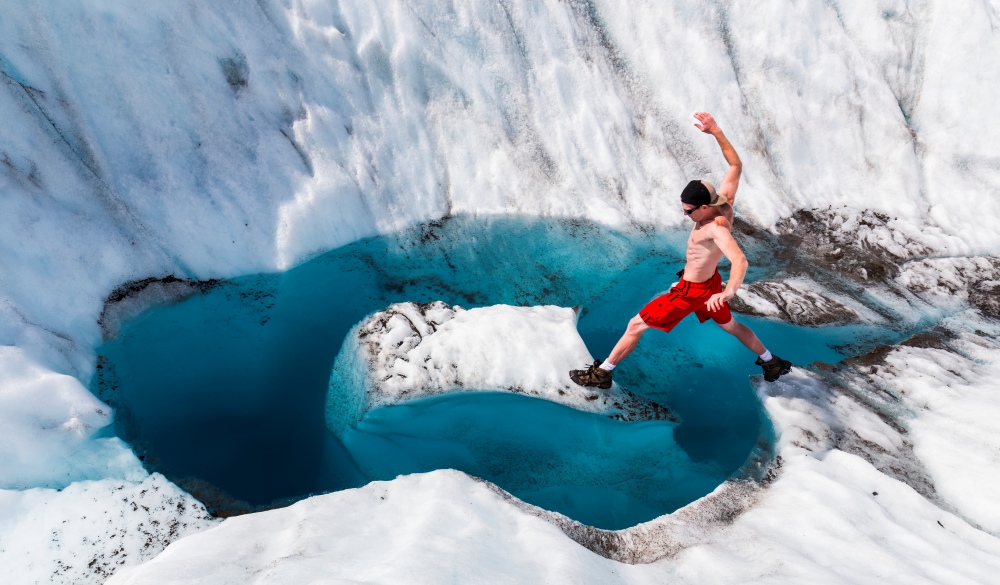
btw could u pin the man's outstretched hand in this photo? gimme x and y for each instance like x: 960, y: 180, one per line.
x: 706, y: 123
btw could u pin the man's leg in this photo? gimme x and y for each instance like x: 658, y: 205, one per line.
x: 630, y: 339
x: 746, y: 336
x: 599, y: 373
x: 774, y: 367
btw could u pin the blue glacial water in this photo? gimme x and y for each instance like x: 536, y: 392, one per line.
x: 227, y: 388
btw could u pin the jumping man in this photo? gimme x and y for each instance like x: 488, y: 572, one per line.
x: 700, y: 288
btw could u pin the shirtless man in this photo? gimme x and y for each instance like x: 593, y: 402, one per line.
x: 700, y: 288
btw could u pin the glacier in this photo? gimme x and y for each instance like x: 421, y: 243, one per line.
x: 208, y: 141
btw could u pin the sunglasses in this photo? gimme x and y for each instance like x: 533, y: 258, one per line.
x: 692, y: 210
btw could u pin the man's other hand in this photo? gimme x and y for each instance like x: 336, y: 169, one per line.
x: 716, y: 301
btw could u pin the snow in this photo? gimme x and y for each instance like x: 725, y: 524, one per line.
x: 84, y: 533
x: 47, y: 421
x: 830, y: 517
x: 439, y: 515
x: 954, y: 399
x: 802, y: 301
x: 215, y: 140
x: 411, y: 351
x: 946, y: 280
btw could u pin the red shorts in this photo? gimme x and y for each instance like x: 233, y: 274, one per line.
x: 684, y: 298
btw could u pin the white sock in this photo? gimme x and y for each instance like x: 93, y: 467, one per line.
x: 606, y: 365
x: 766, y: 356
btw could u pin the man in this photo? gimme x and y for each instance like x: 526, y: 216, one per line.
x: 700, y: 288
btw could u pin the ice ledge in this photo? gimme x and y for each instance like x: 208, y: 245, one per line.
x: 801, y: 301
x: 411, y: 351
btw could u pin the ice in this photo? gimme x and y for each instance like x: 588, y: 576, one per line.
x: 947, y: 280
x: 261, y: 135
x: 444, y: 514
x: 954, y: 397
x: 214, y: 140
x: 86, y: 532
x: 801, y: 301
x: 831, y: 517
x: 410, y: 351
x: 48, y: 421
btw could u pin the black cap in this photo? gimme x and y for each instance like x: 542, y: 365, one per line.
x: 696, y: 193
x: 702, y: 193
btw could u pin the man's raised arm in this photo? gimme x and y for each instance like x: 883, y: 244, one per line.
x: 707, y: 124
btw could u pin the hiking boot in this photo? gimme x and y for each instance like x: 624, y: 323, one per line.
x: 592, y: 376
x: 774, y: 368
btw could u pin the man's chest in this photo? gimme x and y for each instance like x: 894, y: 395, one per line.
x: 700, y: 239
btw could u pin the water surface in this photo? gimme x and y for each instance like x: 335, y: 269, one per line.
x: 227, y: 388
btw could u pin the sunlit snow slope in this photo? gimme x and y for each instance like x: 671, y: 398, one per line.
x: 214, y: 139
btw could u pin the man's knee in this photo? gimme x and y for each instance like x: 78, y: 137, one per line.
x: 637, y: 326
x: 730, y: 327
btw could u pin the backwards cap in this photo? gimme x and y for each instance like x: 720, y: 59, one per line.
x: 702, y: 193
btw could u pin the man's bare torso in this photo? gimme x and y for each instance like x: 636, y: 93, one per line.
x: 703, y: 254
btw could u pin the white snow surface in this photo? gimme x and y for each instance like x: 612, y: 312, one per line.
x: 445, y: 515
x: 86, y: 532
x: 47, y: 421
x: 215, y: 139
x: 500, y: 347
x: 829, y: 518
x: 409, y: 351
x: 956, y: 401
x: 945, y: 281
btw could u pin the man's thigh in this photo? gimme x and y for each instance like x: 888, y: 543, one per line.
x: 666, y: 311
x: 723, y: 316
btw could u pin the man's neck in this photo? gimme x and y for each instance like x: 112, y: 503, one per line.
x: 707, y: 220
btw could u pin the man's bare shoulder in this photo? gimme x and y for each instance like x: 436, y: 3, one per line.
x: 726, y: 210
x: 722, y: 222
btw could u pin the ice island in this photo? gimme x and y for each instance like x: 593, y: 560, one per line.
x: 409, y: 351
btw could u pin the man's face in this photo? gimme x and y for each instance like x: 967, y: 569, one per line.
x: 692, y: 211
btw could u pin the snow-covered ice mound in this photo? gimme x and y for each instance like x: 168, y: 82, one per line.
x: 87, y: 531
x: 49, y: 424
x: 444, y: 515
x: 411, y: 351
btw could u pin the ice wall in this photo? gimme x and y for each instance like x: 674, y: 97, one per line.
x: 213, y: 140
x: 210, y: 140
